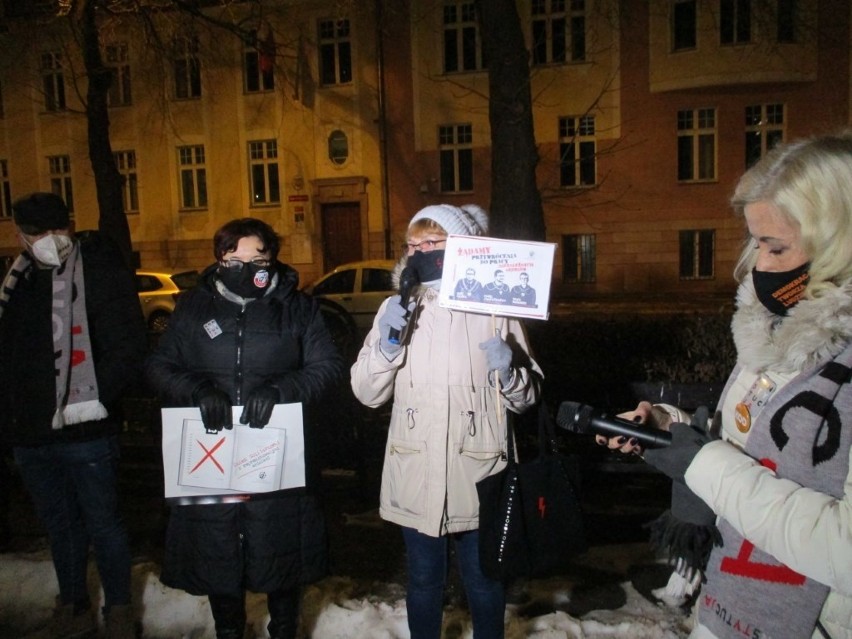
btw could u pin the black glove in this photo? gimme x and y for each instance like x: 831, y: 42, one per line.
x: 259, y: 405
x: 674, y: 459
x: 215, y: 407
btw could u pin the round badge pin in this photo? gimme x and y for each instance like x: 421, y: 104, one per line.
x: 742, y: 418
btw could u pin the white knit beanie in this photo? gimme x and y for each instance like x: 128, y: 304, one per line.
x: 468, y: 219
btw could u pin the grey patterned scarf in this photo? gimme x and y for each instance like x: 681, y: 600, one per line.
x: 76, y: 385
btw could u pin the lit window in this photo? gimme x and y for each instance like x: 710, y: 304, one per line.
x: 193, y: 176
x: 125, y: 162
x: 259, y: 63
x: 59, y: 169
x: 455, y: 143
x: 335, y: 52
x: 263, y: 172
x: 696, y: 145
x: 577, y: 151
x: 696, y: 254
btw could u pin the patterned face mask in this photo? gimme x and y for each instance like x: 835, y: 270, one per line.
x: 779, y: 292
x: 248, y: 281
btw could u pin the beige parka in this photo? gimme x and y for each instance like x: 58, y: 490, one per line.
x: 444, y: 434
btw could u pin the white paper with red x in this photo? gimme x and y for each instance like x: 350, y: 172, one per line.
x: 232, y: 462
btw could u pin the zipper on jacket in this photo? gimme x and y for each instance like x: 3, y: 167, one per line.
x: 409, y: 415
x: 238, y: 365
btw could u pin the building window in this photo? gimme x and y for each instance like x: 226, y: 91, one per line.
x: 786, y: 21
x: 462, y: 48
x: 53, y: 81
x: 683, y: 25
x: 696, y: 145
x: 338, y: 147
x: 5, y: 191
x: 59, y: 169
x: 734, y: 21
x: 187, y: 69
x: 579, y: 262
x: 558, y: 31
x: 455, y: 143
x: 258, y: 65
x: 125, y: 162
x: 577, y: 149
x: 696, y: 254
x: 263, y: 172
x: 193, y: 177
x: 764, y: 128
x: 119, y: 89
x: 335, y: 51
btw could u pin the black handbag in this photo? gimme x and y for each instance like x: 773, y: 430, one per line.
x: 530, y: 520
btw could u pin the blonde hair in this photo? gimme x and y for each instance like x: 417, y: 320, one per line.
x: 423, y: 226
x: 810, y: 181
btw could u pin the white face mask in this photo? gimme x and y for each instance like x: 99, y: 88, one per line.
x: 51, y: 250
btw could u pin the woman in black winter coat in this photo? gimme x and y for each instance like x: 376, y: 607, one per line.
x: 246, y: 337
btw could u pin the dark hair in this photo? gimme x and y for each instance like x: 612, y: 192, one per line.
x: 230, y: 234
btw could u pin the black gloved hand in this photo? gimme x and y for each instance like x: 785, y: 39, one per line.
x: 259, y: 405
x: 674, y: 459
x: 215, y: 407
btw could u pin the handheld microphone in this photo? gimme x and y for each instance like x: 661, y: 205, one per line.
x: 581, y: 418
x: 408, y: 279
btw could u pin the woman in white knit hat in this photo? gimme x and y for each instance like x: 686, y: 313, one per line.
x: 448, y: 428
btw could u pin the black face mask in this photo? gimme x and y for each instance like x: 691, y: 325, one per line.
x: 429, y: 265
x: 251, y: 281
x: 779, y: 292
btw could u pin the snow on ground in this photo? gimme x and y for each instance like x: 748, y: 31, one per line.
x: 335, y: 608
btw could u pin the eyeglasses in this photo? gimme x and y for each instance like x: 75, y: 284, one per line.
x: 237, y: 265
x: 425, y: 245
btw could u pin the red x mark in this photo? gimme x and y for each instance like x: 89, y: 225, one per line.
x: 209, y: 455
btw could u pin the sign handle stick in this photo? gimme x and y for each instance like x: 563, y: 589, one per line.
x: 497, y: 378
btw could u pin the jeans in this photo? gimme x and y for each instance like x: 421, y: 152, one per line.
x: 73, y: 487
x: 427, y: 570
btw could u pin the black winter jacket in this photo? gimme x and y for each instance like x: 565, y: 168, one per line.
x: 277, y: 540
x: 119, y: 346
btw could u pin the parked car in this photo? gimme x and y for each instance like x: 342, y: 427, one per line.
x: 158, y: 293
x: 358, y: 287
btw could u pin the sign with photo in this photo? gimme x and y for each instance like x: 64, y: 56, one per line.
x: 497, y: 276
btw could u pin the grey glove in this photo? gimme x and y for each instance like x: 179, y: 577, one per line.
x: 674, y: 459
x: 215, y: 407
x: 499, y: 357
x: 395, y: 318
x: 258, y: 408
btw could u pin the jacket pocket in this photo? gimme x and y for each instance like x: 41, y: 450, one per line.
x: 472, y: 462
x: 404, y: 477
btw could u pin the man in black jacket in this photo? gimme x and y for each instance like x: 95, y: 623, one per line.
x: 72, y: 341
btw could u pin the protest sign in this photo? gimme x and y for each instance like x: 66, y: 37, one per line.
x: 497, y: 276
x: 232, y: 462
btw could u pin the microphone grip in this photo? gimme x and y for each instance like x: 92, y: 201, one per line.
x: 647, y: 437
x: 404, y: 296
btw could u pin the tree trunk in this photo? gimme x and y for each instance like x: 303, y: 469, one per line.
x: 109, y: 183
x: 516, y: 210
